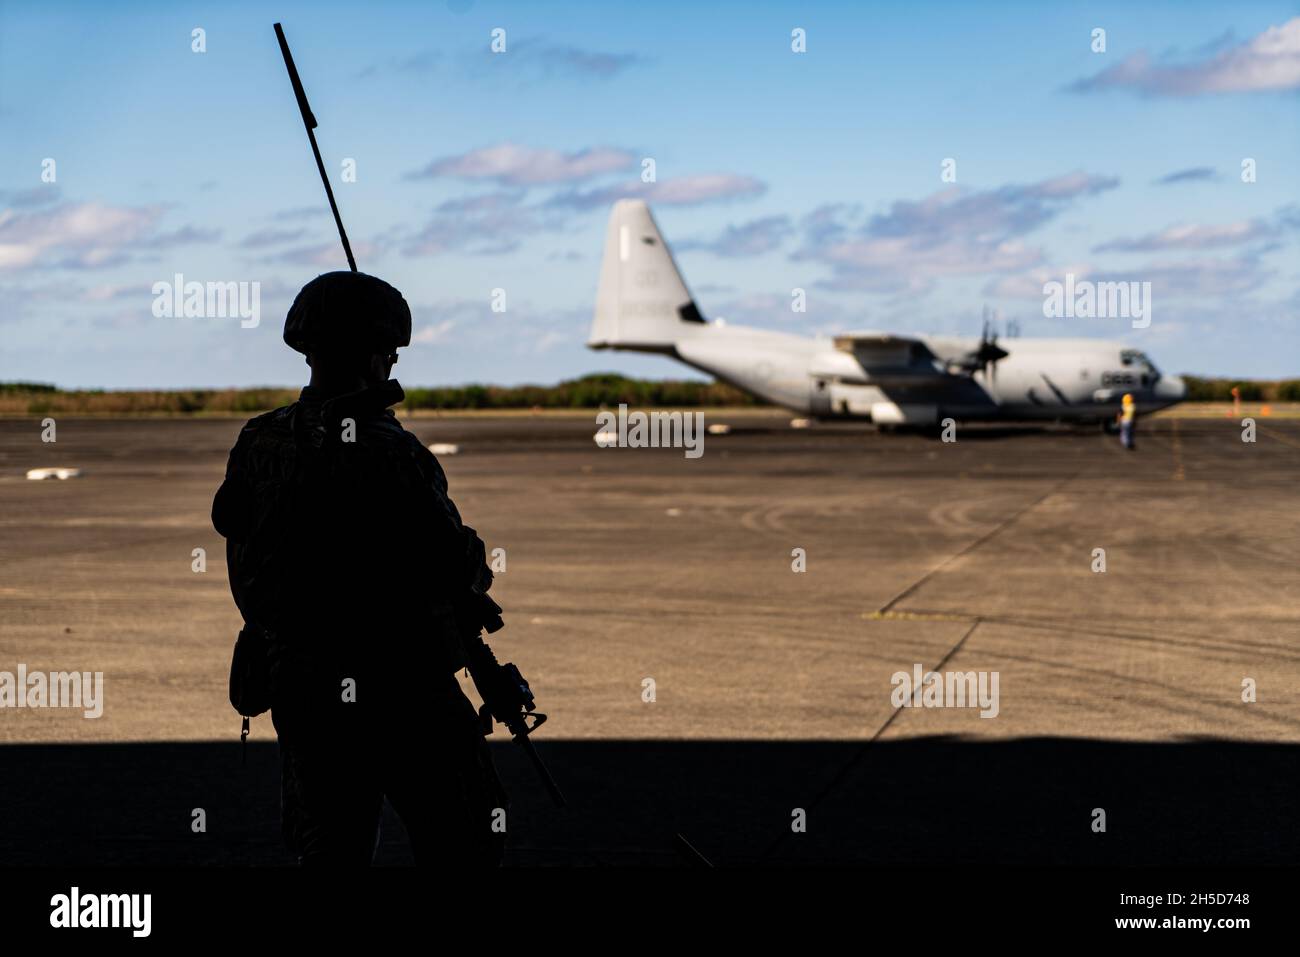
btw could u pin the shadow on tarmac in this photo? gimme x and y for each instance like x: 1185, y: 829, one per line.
x: 919, y: 801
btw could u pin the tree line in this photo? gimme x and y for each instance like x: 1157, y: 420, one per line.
x: 605, y: 389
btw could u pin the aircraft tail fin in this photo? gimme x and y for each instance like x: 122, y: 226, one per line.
x: 642, y: 302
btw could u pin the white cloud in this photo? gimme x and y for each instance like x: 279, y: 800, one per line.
x: 752, y: 238
x: 271, y: 237
x: 510, y: 164
x: 952, y: 232
x: 328, y: 254
x: 680, y: 191
x: 483, y: 225
x: 1269, y: 61
x: 1069, y: 185
x: 107, y: 292
x: 1192, y: 236
x: 1190, y: 280
x: 549, y: 340
x: 435, y: 333
x: 1192, y: 175
x: 558, y: 59
x: 78, y: 235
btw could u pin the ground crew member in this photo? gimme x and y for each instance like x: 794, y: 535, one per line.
x: 1127, y: 420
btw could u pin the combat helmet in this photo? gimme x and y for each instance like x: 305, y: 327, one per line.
x: 348, y: 312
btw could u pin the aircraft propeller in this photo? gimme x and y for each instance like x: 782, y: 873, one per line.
x: 987, y: 354
x: 990, y: 352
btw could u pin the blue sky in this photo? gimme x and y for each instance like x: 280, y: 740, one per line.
x: 774, y: 170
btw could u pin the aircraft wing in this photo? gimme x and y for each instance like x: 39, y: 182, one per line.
x: 880, y: 358
x: 883, y: 342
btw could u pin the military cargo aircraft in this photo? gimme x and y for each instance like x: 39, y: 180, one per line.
x: 643, y: 305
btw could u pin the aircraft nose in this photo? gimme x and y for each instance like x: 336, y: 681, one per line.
x: 1171, y: 388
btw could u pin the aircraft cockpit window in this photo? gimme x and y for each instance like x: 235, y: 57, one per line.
x: 1131, y: 357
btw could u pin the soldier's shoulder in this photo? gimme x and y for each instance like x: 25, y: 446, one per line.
x: 268, y: 419
x: 276, y: 422
x: 404, y: 440
x: 413, y: 450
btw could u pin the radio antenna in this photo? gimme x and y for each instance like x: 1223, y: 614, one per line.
x: 309, y: 121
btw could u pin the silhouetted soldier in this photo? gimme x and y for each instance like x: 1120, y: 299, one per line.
x: 367, y: 593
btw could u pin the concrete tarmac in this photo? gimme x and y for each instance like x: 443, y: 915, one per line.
x: 631, y: 569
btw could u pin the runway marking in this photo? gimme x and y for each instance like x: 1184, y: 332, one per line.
x: 1006, y: 523
x: 1056, y: 626
x: 885, y: 612
x: 915, y: 616
x: 865, y: 746
x: 897, y: 711
x: 1285, y: 441
x: 1226, y: 705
